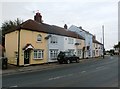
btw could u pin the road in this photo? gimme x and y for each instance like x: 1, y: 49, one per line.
x: 89, y: 73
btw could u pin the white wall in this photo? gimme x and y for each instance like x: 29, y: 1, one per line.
x: 62, y: 45
x: 59, y: 46
x: 68, y: 46
x: 88, y: 38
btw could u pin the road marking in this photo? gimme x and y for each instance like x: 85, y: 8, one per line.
x: 13, y: 86
x: 83, y: 71
x: 58, y: 77
x: 100, y: 67
x: 70, y: 74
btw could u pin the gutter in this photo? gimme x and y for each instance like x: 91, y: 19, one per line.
x: 18, y: 47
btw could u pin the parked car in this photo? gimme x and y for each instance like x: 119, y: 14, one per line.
x: 67, y: 57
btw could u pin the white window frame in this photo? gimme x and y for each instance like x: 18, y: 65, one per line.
x: 79, y: 52
x: 39, y: 38
x: 39, y: 54
x: 72, y: 51
x: 70, y: 41
x: 93, y: 53
x: 16, y: 54
x: 53, y: 40
x: 53, y: 53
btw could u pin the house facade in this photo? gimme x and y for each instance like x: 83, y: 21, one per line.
x: 57, y: 43
x: 34, y: 42
x: 97, y: 48
x: 74, y: 45
x: 27, y: 46
x: 63, y: 40
x: 88, y: 40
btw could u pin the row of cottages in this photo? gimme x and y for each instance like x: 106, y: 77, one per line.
x: 97, y: 48
x: 92, y: 48
x: 35, y: 42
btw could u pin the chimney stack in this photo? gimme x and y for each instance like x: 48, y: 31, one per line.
x: 94, y: 37
x: 65, y: 26
x: 80, y: 27
x: 38, y: 17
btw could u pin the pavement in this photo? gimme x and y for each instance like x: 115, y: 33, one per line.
x: 12, y: 69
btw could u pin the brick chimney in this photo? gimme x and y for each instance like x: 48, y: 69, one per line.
x: 80, y: 27
x: 38, y: 17
x: 65, y: 26
x: 94, y: 37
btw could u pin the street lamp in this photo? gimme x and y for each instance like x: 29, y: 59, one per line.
x: 103, y: 40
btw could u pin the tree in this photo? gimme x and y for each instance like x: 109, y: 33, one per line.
x: 8, y: 25
x: 117, y: 46
x: 111, y: 51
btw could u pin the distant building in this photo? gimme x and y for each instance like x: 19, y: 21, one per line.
x: 88, y: 40
x: 92, y: 47
x: 117, y: 49
x: 97, y: 48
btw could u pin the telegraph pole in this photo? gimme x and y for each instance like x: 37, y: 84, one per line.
x: 103, y: 40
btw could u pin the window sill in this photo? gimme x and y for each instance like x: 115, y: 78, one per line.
x: 38, y: 41
x: 38, y: 58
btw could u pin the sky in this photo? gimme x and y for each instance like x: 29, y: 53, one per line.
x: 90, y: 14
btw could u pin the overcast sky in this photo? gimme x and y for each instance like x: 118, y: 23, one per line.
x: 90, y: 14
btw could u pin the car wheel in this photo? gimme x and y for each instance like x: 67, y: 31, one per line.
x: 68, y: 61
x: 60, y: 62
x: 77, y: 60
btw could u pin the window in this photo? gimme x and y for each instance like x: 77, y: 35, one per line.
x: 97, y: 45
x: 53, y: 39
x: 79, y: 54
x: 70, y: 41
x: 53, y: 53
x: 71, y: 51
x: 94, y: 44
x: 96, y: 52
x: 38, y: 54
x: 89, y: 53
x: 78, y: 41
x: 16, y: 55
x: 39, y: 38
x: 93, y: 53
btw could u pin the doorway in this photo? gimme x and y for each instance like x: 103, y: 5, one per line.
x: 26, y: 56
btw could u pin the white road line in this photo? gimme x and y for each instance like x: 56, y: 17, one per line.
x: 101, y: 67
x: 70, y: 74
x: 83, y: 71
x: 58, y: 77
x: 13, y: 86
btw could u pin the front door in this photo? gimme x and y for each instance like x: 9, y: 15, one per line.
x: 26, y: 56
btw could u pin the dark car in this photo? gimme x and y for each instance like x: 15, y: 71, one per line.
x: 67, y: 57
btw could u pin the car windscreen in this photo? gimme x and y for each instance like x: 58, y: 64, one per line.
x: 67, y: 54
